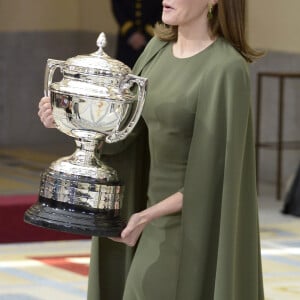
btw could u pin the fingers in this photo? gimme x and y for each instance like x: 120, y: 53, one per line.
x: 48, y: 121
x: 131, y: 241
x: 132, y: 231
x: 45, y: 112
x: 44, y: 101
x: 116, y: 239
x: 129, y: 237
x: 126, y: 231
x: 46, y: 118
x: 132, y: 225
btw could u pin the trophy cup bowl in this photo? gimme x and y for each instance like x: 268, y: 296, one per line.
x: 98, y: 100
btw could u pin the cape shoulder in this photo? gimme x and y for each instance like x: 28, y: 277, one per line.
x: 224, y: 59
x: 219, y: 215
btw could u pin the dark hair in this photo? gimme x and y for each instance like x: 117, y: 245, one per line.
x: 228, y: 20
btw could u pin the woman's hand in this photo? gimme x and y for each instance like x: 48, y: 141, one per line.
x: 132, y: 231
x: 138, y: 221
x: 45, y: 112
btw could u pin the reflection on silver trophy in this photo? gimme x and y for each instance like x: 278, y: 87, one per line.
x: 95, y: 102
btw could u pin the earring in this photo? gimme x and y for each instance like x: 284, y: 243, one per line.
x: 210, y: 11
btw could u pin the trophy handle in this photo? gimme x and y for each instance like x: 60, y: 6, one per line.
x: 51, y: 66
x: 141, y: 82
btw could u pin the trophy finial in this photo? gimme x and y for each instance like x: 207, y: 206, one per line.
x: 101, y: 42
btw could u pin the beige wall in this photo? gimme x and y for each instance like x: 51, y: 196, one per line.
x: 48, y: 15
x: 96, y: 16
x: 274, y: 24
x: 39, y: 15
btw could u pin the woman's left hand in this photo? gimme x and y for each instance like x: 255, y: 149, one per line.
x: 132, y: 231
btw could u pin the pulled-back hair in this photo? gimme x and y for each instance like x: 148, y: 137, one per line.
x: 228, y: 20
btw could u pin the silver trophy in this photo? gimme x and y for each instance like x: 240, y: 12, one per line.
x: 98, y: 100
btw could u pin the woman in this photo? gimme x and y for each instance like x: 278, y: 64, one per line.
x: 199, y: 235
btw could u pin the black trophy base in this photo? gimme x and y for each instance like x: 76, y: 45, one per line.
x: 70, y: 218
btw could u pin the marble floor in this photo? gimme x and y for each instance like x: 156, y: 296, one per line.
x: 44, y: 271
x: 280, y: 248
x: 58, y: 270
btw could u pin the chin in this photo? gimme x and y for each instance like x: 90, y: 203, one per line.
x: 169, y: 22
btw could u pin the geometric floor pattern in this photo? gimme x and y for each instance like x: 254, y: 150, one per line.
x: 44, y: 271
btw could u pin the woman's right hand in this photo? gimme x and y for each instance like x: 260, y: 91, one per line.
x: 45, y: 113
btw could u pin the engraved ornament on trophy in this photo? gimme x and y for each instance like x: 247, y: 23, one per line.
x: 96, y: 102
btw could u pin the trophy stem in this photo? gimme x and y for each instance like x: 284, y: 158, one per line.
x: 85, y: 153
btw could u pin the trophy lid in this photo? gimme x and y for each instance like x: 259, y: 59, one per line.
x: 97, y: 63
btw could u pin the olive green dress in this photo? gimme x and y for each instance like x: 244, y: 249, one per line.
x: 200, y: 138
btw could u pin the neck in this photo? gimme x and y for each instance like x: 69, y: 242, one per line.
x: 192, y: 39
